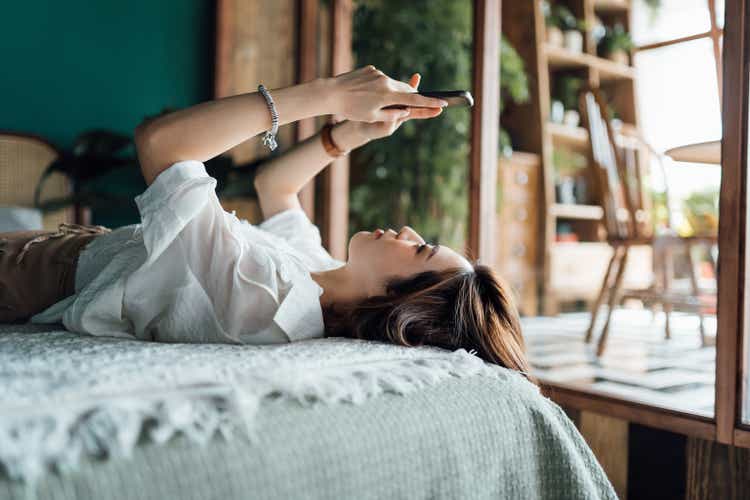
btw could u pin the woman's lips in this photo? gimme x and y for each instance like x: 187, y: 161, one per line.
x: 378, y: 233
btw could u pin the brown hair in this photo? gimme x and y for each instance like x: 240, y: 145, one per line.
x: 454, y: 308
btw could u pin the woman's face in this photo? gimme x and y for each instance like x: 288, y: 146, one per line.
x: 377, y: 256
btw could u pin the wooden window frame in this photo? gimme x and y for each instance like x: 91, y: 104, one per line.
x: 334, y: 219
x: 733, y: 252
x: 485, y: 128
x: 726, y: 426
x: 307, y: 69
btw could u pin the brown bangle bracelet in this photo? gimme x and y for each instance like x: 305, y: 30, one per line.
x: 327, y: 139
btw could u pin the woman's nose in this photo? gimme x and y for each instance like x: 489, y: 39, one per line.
x: 409, y: 233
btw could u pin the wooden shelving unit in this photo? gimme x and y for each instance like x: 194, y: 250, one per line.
x: 532, y: 132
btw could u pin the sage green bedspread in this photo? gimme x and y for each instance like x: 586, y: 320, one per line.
x: 464, y: 438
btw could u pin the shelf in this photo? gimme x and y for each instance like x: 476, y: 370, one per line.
x: 576, y: 137
x: 611, y: 5
x: 528, y: 160
x: 610, y: 70
x: 575, y: 211
x: 560, y: 58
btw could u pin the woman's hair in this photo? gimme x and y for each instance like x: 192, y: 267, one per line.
x: 453, y: 308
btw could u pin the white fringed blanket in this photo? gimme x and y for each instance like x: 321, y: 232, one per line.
x: 63, y: 395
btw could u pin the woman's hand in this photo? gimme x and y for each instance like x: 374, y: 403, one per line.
x: 368, y: 95
x: 351, y: 134
x: 377, y: 130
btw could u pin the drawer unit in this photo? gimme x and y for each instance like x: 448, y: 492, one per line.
x: 517, y: 229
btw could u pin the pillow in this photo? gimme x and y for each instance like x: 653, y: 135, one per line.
x: 19, y: 219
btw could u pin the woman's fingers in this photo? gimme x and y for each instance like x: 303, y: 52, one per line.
x: 391, y: 115
x: 414, y: 80
x: 414, y: 100
x: 423, y: 113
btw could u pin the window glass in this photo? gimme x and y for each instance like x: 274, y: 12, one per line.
x: 671, y: 19
x: 419, y: 175
x: 720, y: 13
x: 678, y: 95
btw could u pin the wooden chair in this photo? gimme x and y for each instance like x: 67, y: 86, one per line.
x: 23, y: 158
x: 618, y: 177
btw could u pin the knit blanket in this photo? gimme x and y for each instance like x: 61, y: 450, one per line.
x: 68, y: 400
x: 63, y: 394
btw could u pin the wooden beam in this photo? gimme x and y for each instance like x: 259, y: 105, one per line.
x: 715, y: 470
x: 256, y: 42
x: 716, y: 34
x: 307, y: 69
x: 334, y: 219
x: 224, y: 43
x: 742, y: 438
x: 608, y: 439
x: 484, y: 131
x: 665, y: 43
x: 732, y: 281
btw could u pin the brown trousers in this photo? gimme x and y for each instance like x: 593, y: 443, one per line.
x: 38, y: 268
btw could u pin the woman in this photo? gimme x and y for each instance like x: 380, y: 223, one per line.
x: 191, y: 272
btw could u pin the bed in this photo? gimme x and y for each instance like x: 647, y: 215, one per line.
x: 107, y: 418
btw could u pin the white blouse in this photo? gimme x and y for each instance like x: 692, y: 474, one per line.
x: 191, y: 272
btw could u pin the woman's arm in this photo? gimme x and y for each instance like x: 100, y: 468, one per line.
x: 279, y: 180
x: 211, y: 128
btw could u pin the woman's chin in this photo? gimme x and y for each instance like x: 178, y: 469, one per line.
x: 356, y: 240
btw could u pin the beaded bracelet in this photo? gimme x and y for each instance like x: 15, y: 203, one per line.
x: 269, y: 139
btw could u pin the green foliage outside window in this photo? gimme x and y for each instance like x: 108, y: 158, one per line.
x: 514, y: 86
x: 418, y: 176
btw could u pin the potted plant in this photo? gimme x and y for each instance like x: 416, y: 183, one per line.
x: 569, y: 168
x: 573, y: 29
x: 701, y: 210
x: 616, y: 44
x: 654, y: 6
x: 566, y: 91
x: 553, y: 25
x: 563, y: 28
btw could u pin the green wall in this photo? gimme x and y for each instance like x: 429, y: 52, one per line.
x: 73, y: 65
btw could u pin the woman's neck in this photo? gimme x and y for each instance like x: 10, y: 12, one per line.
x: 338, y: 286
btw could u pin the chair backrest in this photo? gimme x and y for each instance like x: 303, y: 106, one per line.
x: 617, y: 173
x: 23, y: 159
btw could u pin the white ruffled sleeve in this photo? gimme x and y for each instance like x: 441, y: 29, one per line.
x: 180, y: 208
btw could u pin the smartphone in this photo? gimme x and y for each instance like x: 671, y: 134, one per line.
x: 452, y: 97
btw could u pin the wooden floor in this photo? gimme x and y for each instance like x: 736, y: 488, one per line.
x: 638, y: 364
